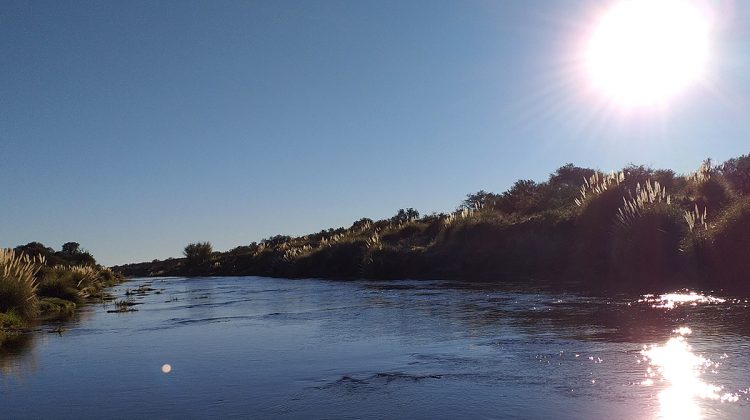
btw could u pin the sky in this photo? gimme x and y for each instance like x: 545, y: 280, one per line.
x: 137, y: 127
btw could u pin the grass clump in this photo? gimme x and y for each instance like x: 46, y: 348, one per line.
x: 18, y: 283
x: 34, y: 287
x: 56, y: 308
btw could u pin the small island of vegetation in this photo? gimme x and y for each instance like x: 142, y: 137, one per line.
x: 638, y: 229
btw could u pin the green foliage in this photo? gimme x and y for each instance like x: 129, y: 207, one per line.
x: 55, y: 308
x: 737, y: 173
x: 11, y: 321
x: 198, y: 253
x: 60, y: 283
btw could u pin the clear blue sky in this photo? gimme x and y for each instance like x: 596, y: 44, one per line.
x: 135, y: 127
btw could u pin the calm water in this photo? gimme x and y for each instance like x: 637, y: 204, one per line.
x: 275, y: 348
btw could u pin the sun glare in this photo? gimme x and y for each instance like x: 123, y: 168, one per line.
x: 643, y: 52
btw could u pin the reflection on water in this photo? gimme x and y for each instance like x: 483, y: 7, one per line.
x: 17, y: 356
x: 681, y: 369
x: 276, y: 348
x: 671, y: 300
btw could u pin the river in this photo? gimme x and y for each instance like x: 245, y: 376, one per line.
x: 255, y: 347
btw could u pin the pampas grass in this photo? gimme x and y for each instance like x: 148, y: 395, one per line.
x: 18, y: 283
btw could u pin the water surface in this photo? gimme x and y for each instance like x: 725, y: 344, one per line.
x: 276, y: 348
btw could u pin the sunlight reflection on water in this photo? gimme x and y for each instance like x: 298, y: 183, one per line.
x: 678, y: 368
x: 671, y: 300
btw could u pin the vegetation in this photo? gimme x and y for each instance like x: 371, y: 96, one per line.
x: 38, y: 283
x: 639, y: 228
x: 198, y: 253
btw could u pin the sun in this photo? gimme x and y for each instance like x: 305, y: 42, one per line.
x: 644, y: 52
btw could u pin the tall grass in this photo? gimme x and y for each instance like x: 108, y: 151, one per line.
x: 597, y: 184
x: 18, y: 283
x: 650, y: 194
x: 695, y: 218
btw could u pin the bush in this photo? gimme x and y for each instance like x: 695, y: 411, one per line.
x: 58, y: 283
x: 18, y: 283
x: 737, y: 172
x: 590, y: 257
x: 198, y: 253
x: 731, y: 247
x: 54, y: 308
x: 713, y: 193
x: 647, y: 249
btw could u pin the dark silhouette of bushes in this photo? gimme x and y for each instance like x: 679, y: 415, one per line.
x: 731, y: 247
x: 713, y: 193
x: 640, y: 228
x: 647, y: 250
x: 70, y: 254
x: 737, y: 173
x: 198, y: 253
x: 591, y: 256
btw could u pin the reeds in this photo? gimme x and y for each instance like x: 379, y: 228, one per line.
x: 644, y: 197
x: 18, y: 283
x: 597, y: 184
x: 696, y: 218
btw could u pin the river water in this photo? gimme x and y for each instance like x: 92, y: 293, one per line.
x: 256, y: 347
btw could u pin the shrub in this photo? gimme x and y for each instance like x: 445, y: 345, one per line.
x: 712, y: 193
x: 590, y: 257
x: 59, y: 283
x: 737, y: 172
x: 18, y: 283
x: 731, y: 246
x: 523, y: 197
x: 53, y: 308
x: 646, y: 248
x: 198, y: 253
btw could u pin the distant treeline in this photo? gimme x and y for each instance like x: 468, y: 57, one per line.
x: 640, y: 228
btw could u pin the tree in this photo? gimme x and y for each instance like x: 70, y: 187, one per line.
x: 478, y: 200
x: 522, y: 197
x: 403, y: 216
x: 71, y: 248
x: 198, y: 253
x: 737, y: 172
x: 362, y: 224
x: 570, y: 175
x: 34, y: 249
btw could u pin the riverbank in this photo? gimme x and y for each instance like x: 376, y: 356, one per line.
x: 639, y: 229
x: 39, y: 285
